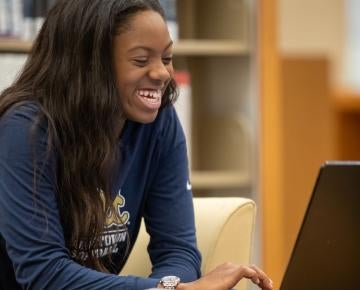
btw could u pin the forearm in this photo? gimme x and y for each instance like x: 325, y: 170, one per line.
x: 57, y: 271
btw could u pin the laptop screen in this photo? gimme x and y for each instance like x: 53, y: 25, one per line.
x: 326, y: 254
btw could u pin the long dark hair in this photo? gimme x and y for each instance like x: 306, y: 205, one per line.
x: 69, y: 73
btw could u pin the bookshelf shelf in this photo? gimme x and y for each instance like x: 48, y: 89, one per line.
x: 210, y: 47
x: 219, y: 180
x: 347, y: 102
x: 182, y: 47
x: 347, y: 120
x: 14, y: 45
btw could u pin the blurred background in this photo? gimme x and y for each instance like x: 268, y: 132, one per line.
x: 269, y: 90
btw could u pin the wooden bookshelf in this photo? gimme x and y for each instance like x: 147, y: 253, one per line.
x: 203, y: 180
x: 347, y: 101
x: 186, y: 47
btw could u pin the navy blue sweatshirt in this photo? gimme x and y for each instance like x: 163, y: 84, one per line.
x: 152, y: 183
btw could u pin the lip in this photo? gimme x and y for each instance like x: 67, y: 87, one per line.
x: 151, y: 89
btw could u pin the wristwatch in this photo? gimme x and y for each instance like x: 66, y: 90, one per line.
x: 169, y: 282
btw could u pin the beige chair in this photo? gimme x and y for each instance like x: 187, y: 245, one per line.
x: 224, y: 232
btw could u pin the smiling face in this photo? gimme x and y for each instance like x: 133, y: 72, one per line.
x: 143, y: 65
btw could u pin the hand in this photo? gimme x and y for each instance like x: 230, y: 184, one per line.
x: 226, y: 276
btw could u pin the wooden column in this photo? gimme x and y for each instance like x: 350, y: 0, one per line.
x: 271, y: 142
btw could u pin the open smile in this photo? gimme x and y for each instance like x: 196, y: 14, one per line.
x: 151, y: 98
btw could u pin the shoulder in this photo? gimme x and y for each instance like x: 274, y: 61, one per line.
x: 167, y: 124
x: 17, y: 127
x: 168, y: 131
x: 22, y: 115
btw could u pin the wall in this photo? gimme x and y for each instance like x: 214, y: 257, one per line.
x: 10, y: 65
x: 313, y: 27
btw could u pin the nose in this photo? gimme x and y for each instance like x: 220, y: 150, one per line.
x: 160, y: 72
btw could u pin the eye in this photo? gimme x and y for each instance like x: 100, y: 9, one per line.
x: 167, y: 60
x: 140, y: 61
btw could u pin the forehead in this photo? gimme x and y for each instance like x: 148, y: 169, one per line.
x: 145, y: 28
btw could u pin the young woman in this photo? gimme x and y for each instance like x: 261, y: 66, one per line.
x: 89, y: 144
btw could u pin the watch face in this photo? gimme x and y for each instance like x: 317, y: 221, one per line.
x: 170, y: 282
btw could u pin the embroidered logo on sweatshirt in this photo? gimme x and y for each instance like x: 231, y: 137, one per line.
x: 115, y: 216
x: 115, y: 231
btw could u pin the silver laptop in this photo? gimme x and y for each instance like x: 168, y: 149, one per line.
x: 326, y: 254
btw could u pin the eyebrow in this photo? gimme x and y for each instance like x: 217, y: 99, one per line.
x: 148, y: 48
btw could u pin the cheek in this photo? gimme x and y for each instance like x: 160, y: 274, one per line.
x: 127, y: 82
x: 125, y: 74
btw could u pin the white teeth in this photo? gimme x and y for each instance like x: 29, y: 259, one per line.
x: 151, y: 95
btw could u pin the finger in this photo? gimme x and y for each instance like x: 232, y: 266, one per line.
x: 265, y: 285
x: 249, y: 273
x: 259, y: 271
x: 265, y: 281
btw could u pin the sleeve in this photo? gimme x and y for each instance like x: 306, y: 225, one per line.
x: 30, y: 223
x: 169, y: 213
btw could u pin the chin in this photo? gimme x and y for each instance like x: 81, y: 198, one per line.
x: 143, y: 118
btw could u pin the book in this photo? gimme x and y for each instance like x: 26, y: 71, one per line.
x: 183, y: 106
x: 17, y: 18
x: 40, y: 10
x: 11, y: 18
x: 28, y: 20
x: 6, y: 17
x: 3, y: 18
x: 169, y: 7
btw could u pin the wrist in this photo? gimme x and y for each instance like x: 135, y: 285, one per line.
x: 182, y: 286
